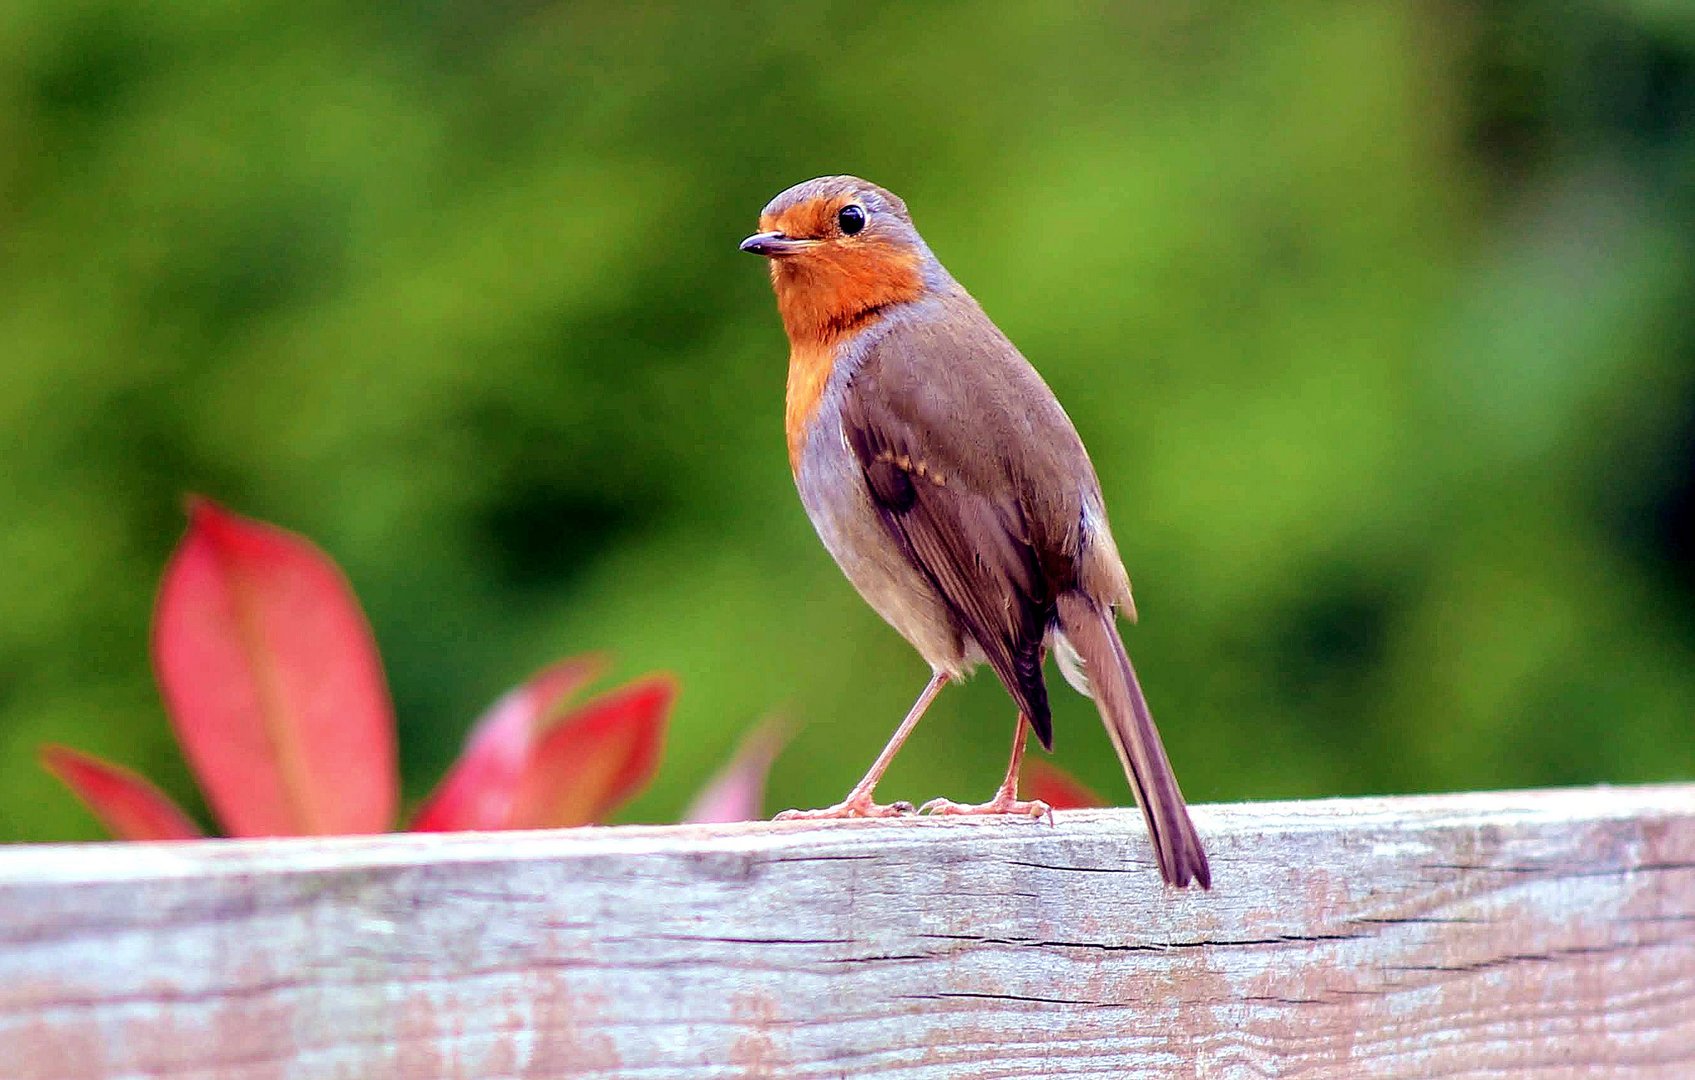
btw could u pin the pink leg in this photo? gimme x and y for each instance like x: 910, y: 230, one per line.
x: 859, y: 803
x: 1006, y: 800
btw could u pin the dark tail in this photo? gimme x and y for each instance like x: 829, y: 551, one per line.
x: 1091, y: 630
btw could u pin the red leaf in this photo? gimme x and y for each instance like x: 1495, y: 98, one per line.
x: 595, y: 759
x: 1056, y: 787
x: 273, y: 683
x: 128, y: 805
x: 478, y: 791
x: 737, y: 792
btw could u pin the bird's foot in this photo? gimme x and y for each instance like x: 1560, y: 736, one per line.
x: 854, y: 806
x: 1004, y: 803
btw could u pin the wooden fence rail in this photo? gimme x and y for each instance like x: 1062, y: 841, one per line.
x: 1526, y: 934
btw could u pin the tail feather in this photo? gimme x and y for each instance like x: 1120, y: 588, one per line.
x: 1090, y: 631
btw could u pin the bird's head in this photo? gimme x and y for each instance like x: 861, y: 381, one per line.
x: 842, y: 250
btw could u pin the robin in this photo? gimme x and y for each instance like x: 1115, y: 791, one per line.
x: 948, y: 483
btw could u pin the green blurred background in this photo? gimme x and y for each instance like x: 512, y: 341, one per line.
x: 1379, y: 320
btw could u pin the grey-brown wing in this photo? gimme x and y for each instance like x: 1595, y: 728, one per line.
x: 972, y: 541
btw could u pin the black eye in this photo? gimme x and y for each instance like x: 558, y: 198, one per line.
x: 851, y: 218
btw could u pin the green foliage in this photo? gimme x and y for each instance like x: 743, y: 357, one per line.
x: 1376, y: 322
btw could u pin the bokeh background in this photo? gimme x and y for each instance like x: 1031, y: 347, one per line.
x: 1379, y: 320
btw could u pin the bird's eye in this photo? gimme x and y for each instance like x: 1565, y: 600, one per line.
x: 851, y: 219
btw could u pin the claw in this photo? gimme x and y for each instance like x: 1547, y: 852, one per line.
x: 851, y: 807
x: 1034, y: 808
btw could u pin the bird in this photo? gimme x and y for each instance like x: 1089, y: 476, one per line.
x: 953, y: 491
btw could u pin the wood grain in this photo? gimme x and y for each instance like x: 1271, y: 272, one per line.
x: 1527, y: 934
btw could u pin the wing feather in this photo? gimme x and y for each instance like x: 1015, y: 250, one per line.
x: 971, y: 541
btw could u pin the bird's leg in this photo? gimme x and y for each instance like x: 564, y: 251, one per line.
x: 1006, y: 800
x: 859, y: 802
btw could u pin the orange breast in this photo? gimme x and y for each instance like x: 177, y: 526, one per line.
x: 825, y: 300
x: 809, y: 370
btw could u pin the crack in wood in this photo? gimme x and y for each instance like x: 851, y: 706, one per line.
x: 1027, y: 999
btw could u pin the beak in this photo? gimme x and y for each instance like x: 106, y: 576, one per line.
x: 774, y: 245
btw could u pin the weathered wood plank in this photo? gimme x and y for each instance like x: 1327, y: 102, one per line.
x: 1529, y: 934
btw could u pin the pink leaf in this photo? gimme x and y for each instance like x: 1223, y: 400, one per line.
x: 737, y: 792
x: 128, y: 805
x: 1056, y: 787
x: 478, y: 791
x: 273, y: 683
x: 595, y: 759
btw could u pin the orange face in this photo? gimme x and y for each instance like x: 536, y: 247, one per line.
x: 830, y: 277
